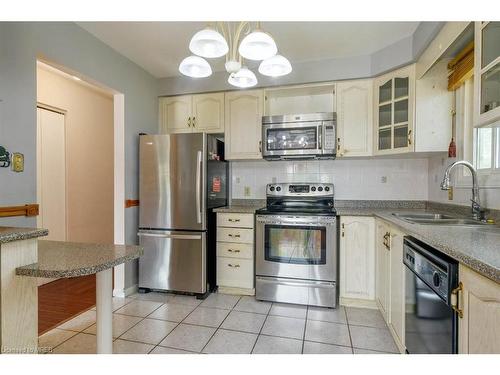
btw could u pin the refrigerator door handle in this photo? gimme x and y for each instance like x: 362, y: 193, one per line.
x: 198, y: 186
x: 172, y: 236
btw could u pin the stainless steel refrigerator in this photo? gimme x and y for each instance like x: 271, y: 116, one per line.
x: 182, y: 178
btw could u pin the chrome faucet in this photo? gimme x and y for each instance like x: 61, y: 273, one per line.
x: 477, y: 211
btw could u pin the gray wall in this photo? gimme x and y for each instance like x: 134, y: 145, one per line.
x: 403, y: 52
x: 70, y: 46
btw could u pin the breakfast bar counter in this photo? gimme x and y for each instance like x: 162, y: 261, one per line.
x: 23, y: 258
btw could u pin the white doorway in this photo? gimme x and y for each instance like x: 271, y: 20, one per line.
x: 51, y: 173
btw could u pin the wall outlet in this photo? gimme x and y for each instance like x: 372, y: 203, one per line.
x: 238, y: 180
x: 247, y: 191
x: 383, y: 179
x: 450, y: 193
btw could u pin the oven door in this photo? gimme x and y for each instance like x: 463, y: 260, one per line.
x: 298, y: 247
x: 293, y: 139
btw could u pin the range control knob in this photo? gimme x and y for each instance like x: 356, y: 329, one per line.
x: 278, y: 188
x: 436, y: 279
x: 320, y: 188
x: 271, y: 188
x: 313, y: 188
x: 327, y: 188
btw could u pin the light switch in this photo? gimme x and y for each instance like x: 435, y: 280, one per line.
x: 383, y: 179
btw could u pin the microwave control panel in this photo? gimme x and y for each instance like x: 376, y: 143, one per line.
x: 329, y: 143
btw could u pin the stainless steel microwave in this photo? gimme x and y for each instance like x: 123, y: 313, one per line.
x: 306, y: 136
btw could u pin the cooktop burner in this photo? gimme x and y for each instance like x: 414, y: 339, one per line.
x: 299, y: 198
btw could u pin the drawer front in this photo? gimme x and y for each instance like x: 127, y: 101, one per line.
x: 240, y: 235
x: 236, y: 273
x: 235, y: 250
x: 235, y: 220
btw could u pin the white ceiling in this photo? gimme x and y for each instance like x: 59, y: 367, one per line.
x: 159, y: 47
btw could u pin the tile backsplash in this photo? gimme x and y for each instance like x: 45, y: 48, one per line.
x: 354, y: 179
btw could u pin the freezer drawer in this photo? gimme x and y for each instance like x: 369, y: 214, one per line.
x: 173, y: 261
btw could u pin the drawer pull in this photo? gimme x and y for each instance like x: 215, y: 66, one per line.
x: 233, y: 251
x: 234, y: 220
x: 233, y: 266
x: 234, y: 235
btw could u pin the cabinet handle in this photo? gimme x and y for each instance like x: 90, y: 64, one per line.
x: 260, y: 146
x: 234, y: 235
x: 338, y: 144
x: 233, y: 251
x: 343, y: 229
x: 234, y: 220
x: 194, y: 121
x: 189, y: 122
x: 409, y: 137
x: 455, y: 297
x: 233, y: 266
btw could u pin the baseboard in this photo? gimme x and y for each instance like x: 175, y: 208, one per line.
x: 353, y: 302
x: 125, y: 292
x: 236, y: 291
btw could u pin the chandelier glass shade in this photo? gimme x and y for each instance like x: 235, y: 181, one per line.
x: 237, y: 42
x: 243, y: 78
x: 208, y: 43
x: 275, y: 66
x: 257, y: 45
x: 195, y: 67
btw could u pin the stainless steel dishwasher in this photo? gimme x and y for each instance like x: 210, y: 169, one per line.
x: 431, y: 322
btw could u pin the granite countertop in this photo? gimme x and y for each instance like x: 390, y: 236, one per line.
x: 241, y: 209
x: 476, y: 247
x: 9, y: 234
x: 57, y: 259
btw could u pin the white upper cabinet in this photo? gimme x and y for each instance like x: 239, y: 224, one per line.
x: 487, y: 73
x: 433, y: 110
x: 175, y: 114
x: 357, y: 258
x: 192, y: 113
x: 354, y: 118
x: 243, y: 135
x: 394, y: 95
x: 208, y: 113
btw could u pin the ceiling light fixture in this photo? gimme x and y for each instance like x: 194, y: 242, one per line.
x: 236, y: 42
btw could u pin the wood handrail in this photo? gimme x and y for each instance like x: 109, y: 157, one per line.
x: 26, y: 210
x: 131, y: 203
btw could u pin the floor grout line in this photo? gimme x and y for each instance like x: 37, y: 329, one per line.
x: 261, y: 328
x: 217, y: 329
x: 305, y: 327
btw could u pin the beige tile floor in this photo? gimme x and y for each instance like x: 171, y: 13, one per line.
x: 159, y: 323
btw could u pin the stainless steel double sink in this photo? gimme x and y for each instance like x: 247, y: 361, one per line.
x: 429, y: 218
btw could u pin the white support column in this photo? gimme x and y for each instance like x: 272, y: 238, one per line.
x: 104, y: 293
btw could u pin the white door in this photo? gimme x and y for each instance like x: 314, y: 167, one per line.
x: 357, y: 258
x: 51, y: 173
x: 208, y: 113
x: 355, y: 118
x: 243, y: 128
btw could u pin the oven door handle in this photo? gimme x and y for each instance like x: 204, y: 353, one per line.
x: 281, y: 221
x: 272, y: 280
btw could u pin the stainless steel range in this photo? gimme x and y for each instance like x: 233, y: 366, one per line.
x: 296, y: 245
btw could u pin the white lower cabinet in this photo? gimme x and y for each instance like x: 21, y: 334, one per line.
x: 397, y: 288
x: 479, y: 326
x: 235, y: 253
x: 382, y: 268
x: 357, y: 260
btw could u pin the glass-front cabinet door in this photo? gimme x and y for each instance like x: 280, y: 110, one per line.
x: 487, y: 67
x: 394, y: 111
